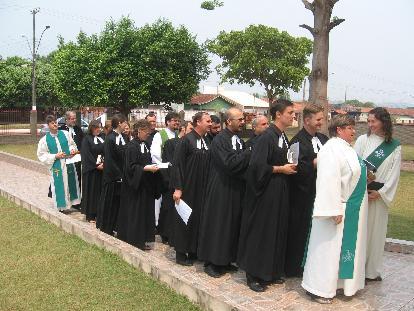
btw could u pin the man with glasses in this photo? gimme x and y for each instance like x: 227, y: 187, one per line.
x: 221, y: 218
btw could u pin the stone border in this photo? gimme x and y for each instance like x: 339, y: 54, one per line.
x: 135, y: 257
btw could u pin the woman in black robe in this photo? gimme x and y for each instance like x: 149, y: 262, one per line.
x: 302, y: 188
x: 263, y: 235
x: 114, y: 148
x: 92, y: 166
x: 136, y: 222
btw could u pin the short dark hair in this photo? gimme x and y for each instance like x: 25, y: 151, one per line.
x: 384, y: 116
x: 117, y: 119
x: 215, y: 119
x: 171, y: 115
x: 279, y: 106
x: 50, y: 118
x: 340, y: 120
x: 198, y: 116
x: 150, y: 115
x: 140, y: 125
x: 311, y: 109
x: 94, y: 124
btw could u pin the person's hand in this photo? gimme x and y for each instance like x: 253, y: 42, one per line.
x: 315, y: 162
x: 287, y: 169
x: 337, y: 219
x: 151, y: 168
x: 60, y: 155
x: 100, y: 167
x: 177, y: 196
x: 373, y: 195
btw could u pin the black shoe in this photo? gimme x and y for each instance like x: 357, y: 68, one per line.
x: 256, y: 286
x: 213, y: 271
x: 377, y: 279
x: 192, y: 257
x: 318, y: 299
x: 164, y: 240
x: 231, y: 268
x: 182, y: 259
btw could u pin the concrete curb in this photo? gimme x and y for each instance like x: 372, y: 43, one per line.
x: 135, y: 257
x: 23, y: 162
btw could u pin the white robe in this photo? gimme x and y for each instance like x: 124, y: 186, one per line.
x: 156, y: 156
x: 338, y: 174
x: 389, y: 174
x: 48, y: 159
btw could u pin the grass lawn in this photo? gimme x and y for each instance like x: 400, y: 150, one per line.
x: 407, y: 152
x: 43, y: 268
x: 401, y: 218
x: 26, y: 151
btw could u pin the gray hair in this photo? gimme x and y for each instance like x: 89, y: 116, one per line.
x: 256, y: 120
x: 340, y: 120
x: 69, y: 113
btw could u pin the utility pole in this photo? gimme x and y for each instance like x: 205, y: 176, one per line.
x: 33, y: 112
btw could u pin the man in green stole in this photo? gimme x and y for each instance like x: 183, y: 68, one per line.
x: 53, y: 150
x: 337, y: 243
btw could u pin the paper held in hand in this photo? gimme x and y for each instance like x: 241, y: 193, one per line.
x: 183, y: 210
x: 76, y: 158
x: 293, y: 153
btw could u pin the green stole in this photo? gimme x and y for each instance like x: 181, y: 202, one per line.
x: 56, y: 170
x: 382, y: 152
x: 350, y: 232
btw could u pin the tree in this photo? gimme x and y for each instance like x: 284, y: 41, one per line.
x: 323, y: 24
x: 211, y: 5
x: 125, y: 66
x: 264, y: 55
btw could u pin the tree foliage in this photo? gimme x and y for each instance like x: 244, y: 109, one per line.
x: 16, y: 83
x: 125, y: 66
x: 264, y: 55
x: 211, y: 5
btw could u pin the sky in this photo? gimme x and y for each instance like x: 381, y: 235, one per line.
x: 371, y: 53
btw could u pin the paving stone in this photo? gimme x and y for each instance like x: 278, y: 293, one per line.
x: 229, y: 292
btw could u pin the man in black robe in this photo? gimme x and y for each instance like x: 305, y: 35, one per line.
x: 215, y: 128
x: 92, y: 166
x: 77, y: 135
x: 259, y: 125
x: 263, y: 234
x: 136, y: 224
x: 114, y: 148
x: 152, y: 119
x: 220, y: 221
x: 303, y: 188
x: 189, y: 179
x: 167, y: 205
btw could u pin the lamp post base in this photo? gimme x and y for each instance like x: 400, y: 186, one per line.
x: 33, y: 123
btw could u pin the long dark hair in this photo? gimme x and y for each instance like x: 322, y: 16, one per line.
x: 93, y: 125
x: 384, y: 116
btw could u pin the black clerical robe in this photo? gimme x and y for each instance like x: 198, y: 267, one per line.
x: 209, y: 136
x: 252, y: 140
x: 165, y: 221
x: 189, y: 174
x: 151, y: 137
x: 112, y: 178
x: 264, y: 230
x: 221, y: 217
x: 92, y: 147
x: 136, y: 221
x: 302, y: 190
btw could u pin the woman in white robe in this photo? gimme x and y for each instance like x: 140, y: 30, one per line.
x: 388, y: 173
x: 48, y: 158
x: 341, y: 175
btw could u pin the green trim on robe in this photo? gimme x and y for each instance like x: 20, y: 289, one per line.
x: 57, y: 173
x: 382, y: 152
x: 350, y: 232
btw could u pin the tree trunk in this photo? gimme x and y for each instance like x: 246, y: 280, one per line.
x: 318, y: 79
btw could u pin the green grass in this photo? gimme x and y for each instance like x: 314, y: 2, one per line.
x: 401, y: 217
x: 407, y: 152
x: 43, y: 268
x: 26, y: 151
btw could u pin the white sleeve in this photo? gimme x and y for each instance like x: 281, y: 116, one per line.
x: 328, y: 185
x: 156, y: 149
x: 71, y: 142
x: 44, y: 155
x: 360, y: 144
x: 389, y: 189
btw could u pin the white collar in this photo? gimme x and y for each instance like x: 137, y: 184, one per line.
x: 119, y: 139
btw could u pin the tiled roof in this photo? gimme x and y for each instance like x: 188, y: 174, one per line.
x: 202, y: 99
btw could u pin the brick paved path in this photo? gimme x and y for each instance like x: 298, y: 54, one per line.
x: 396, y: 292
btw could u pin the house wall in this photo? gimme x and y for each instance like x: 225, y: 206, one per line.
x: 217, y: 105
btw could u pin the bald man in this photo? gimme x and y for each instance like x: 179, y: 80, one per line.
x: 259, y: 125
x: 221, y: 217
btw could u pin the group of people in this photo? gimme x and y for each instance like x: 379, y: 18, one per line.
x: 253, y: 206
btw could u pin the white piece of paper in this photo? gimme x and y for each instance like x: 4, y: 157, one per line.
x: 76, y: 158
x: 293, y: 153
x: 164, y: 165
x: 99, y: 159
x: 183, y: 210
